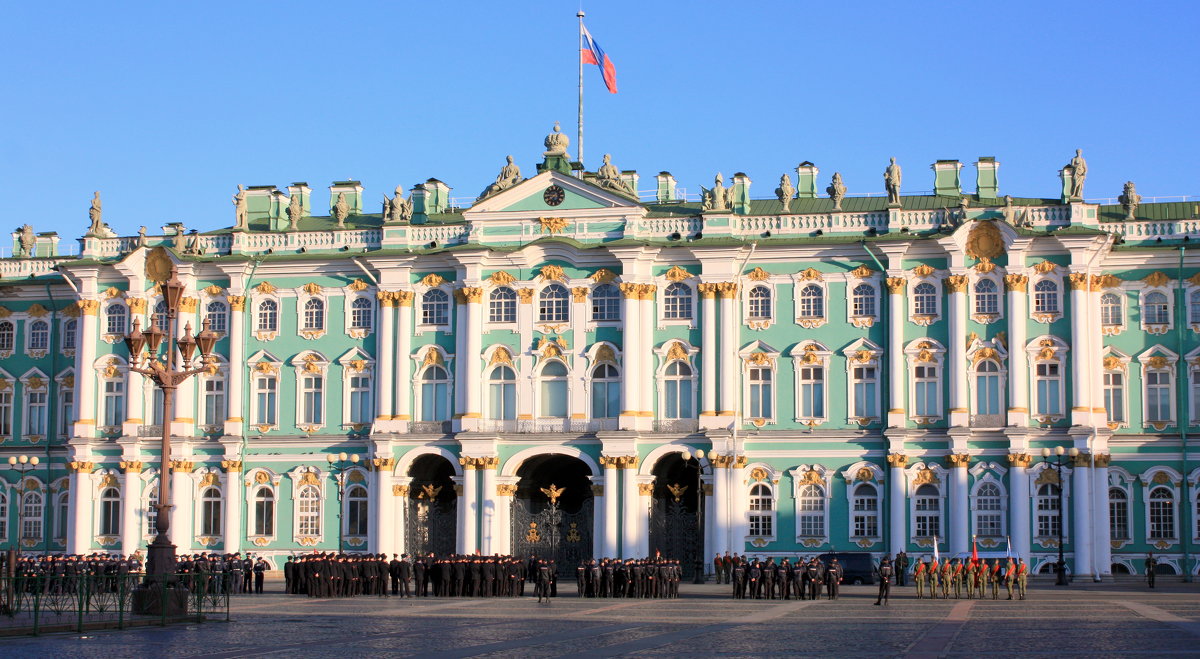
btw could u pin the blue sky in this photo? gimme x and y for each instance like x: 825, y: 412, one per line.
x: 166, y: 107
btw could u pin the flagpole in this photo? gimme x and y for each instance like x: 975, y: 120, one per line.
x: 580, y: 55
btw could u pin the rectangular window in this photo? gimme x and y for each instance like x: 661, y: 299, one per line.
x: 114, y: 402
x: 761, y: 394
x: 812, y: 392
x: 1114, y: 396
x: 1158, y: 396
x: 925, y: 392
x: 435, y: 400
x: 70, y: 330
x: 356, y: 517
x: 811, y: 517
x: 214, y: 402
x: 313, y: 389
x: 66, y: 411
x: 1049, y: 522
x: 1118, y: 518
x: 866, y: 516
x: 265, y: 391
x: 1049, y: 387
x: 865, y: 388
x: 761, y: 525
x: 360, y: 399
x: 264, y: 516
x: 35, y: 415
x: 6, y: 412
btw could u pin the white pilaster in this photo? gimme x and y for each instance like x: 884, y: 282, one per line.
x: 956, y: 367
x: 502, y: 521
x: 730, y: 374
x: 135, y: 397
x: 629, y: 515
x: 488, y: 505
x: 403, y: 409
x: 381, y: 535
x: 181, y: 532
x: 959, y: 508
x: 631, y: 348
x: 1081, y: 515
x: 82, y: 501
x: 611, y: 496
x: 1100, y: 518
x: 398, y: 525
x: 1019, y: 505
x: 469, y: 504
x: 895, y: 354
x: 235, y: 494
x: 131, y: 498
x: 641, y: 521
x: 708, y: 356
x: 85, y: 376
x: 1081, y: 404
x: 472, y: 366
x: 237, y: 367
x: 897, y: 516
x: 386, y: 358
x: 1018, y: 371
x: 645, y: 358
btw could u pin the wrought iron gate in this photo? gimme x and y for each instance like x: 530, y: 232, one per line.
x: 553, y: 534
x: 431, y: 527
x: 675, y: 533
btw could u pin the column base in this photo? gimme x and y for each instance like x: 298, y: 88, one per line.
x: 713, y: 422
x: 233, y: 428
x: 1020, y: 418
x: 960, y: 418
x: 896, y: 419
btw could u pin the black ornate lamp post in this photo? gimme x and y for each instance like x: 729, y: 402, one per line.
x: 24, y: 464
x: 338, y: 464
x: 1061, y: 566
x: 167, y: 371
x: 692, y: 461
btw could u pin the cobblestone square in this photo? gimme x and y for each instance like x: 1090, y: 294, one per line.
x: 1093, y: 620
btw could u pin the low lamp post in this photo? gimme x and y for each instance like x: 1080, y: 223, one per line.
x: 693, y: 461
x: 338, y: 464
x: 25, y: 464
x: 1061, y: 566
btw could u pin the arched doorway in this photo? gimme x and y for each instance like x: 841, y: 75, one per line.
x: 432, y: 515
x: 553, y: 511
x: 676, y: 524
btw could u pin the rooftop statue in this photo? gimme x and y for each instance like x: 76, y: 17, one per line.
x: 341, y: 210
x: 891, y: 181
x: 556, y: 143
x: 609, y: 177
x: 719, y: 197
x: 25, y: 241
x: 397, y: 209
x: 837, y: 191
x: 98, y: 227
x: 193, y: 244
x: 509, y: 176
x: 1078, y: 174
x: 241, y: 215
x: 141, y: 239
x: 785, y: 192
x: 294, y: 210
x: 1130, y: 200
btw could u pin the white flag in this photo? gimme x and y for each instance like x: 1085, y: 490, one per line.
x: 935, y: 550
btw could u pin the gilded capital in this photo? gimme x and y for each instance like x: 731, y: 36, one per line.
x: 579, y: 293
x: 1081, y: 460
x: 727, y: 290
x: 236, y: 302
x: 627, y: 461
x: 131, y: 466
x: 404, y: 298
x: 81, y: 467
x: 89, y: 307
x: 383, y: 464
x: 960, y: 460
x: 182, y: 466
x: 137, y: 305
x: 1102, y: 460
x: 1016, y: 282
x: 231, y: 466
x: 1078, y: 281
x: 707, y: 291
x: 525, y: 295
x: 188, y: 305
x: 897, y: 460
x: 895, y: 285
x: 386, y: 298
x: 1022, y: 460
x: 400, y: 490
x: 646, y: 489
x: 505, y: 489
x: 956, y: 283
x: 467, y: 463
x: 630, y: 290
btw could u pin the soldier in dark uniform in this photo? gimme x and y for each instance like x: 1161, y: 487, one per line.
x: 833, y: 579
x: 885, y: 581
x: 1151, y: 565
x: 543, y: 581
x: 260, y: 573
x: 901, y: 567
x: 816, y: 578
x: 754, y: 579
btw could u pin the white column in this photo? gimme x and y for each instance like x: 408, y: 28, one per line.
x: 131, y: 497
x: 399, y: 525
x: 488, y: 503
x: 184, y: 423
x: 1018, y: 370
x: 403, y: 409
x: 469, y: 505
x: 237, y: 365
x: 85, y: 375
x: 461, y: 340
x: 708, y: 352
x: 386, y: 358
x: 135, y: 396
x: 611, y: 497
x: 720, y: 513
x: 502, y: 535
x: 235, y: 494
x: 1100, y: 517
x: 642, y: 511
x: 629, y: 515
x: 739, y: 505
x: 895, y: 353
x: 897, y: 528
x: 959, y: 507
x: 1081, y: 389
x: 472, y: 366
x: 181, y: 532
x: 630, y: 338
x: 728, y: 366
x: 956, y: 307
x: 1019, y: 503
x: 599, y: 512
x: 381, y: 537
x: 80, y: 531
x: 645, y: 357
x: 1081, y: 514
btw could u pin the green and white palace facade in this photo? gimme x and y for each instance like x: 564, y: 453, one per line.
x: 523, y: 373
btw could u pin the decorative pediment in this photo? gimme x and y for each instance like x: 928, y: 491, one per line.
x: 530, y: 198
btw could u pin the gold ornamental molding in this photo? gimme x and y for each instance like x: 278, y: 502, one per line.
x: 1156, y: 279
x: 926, y: 476
x: 1101, y: 282
x: 400, y: 490
x: 579, y: 294
x: 551, y: 272
x: 432, y: 280
x: 236, y: 302
x: 131, y: 466
x: 383, y: 464
x: 956, y: 283
x: 1079, y: 281
x: 501, y: 355
x: 985, y: 241
x: 677, y: 274
x: 758, y: 274
x: 312, y: 288
x: 182, y: 466
x: 677, y: 352
x: 707, y: 291
x: 137, y: 305
x: 1045, y: 267
x: 506, y: 489
x: 603, y: 276
x: 358, y: 285
x: 501, y: 278
x: 1016, y: 283
x: 862, y: 272
x: 1047, y: 477
x: 985, y: 266
x: 923, y: 270
x: 646, y: 489
x: 727, y: 290
x: 265, y: 288
x: 553, y: 224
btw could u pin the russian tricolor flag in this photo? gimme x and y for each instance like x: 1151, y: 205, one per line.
x: 593, y: 54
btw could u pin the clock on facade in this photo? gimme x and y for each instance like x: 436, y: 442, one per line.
x: 554, y: 195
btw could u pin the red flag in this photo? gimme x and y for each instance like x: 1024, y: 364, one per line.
x: 593, y: 54
x: 974, y: 551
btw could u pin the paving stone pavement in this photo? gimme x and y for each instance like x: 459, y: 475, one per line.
x: 1092, y: 620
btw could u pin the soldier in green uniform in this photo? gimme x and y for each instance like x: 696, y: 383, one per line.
x: 919, y: 579
x: 932, y: 573
x: 1022, y: 576
x: 1010, y: 577
x: 947, y: 573
x: 957, y: 578
x: 994, y: 578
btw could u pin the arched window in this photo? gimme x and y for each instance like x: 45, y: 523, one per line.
x: 502, y: 393
x: 268, y: 316
x: 31, y: 516
x: 762, y: 510
x: 435, y: 307
x: 677, y: 302
x: 217, y: 314
x: 989, y: 511
x: 110, y: 511
x: 987, y: 297
x: 677, y: 399
x: 356, y: 510
x: 1049, y: 518
x: 1118, y: 514
x: 927, y: 507
x: 606, y: 302
x: 989, y: 391
x: 314, y: 315
x: 554, y: 304
x: 308, y: 512
x: 39, y: 335
x: 1110, y: 309
x: 502, y: 305
x: 159, y: 317
x: 760, y: 303
x: 362, y: 313
x: 762, y: 393
x: 606, y: 392
x: 1194, y: 308
x: 116, y: 319
x: 1045, y: 297
x: 553, y: 390
x: 435, y: 394
x: 1154, y: 309
x: 1161, y: 514
x: 70, y: 334
x: 810, y: 511
x: 210, y: 511
x: 152, y: 511
x: 264, y: 512
x: 8, y: 336
x: 862, y: 302
x: 864, y: 522
x: 925, y: 299
x: 812, y: 302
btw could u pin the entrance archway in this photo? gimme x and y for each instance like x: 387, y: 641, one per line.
x: 676, y: 527
x: 552, y: 512
x: 432, y: 515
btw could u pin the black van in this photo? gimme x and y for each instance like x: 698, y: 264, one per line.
x: 857, y: 566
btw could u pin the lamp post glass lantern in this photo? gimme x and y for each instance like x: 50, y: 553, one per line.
x: 167, y: 371
x: 1060, y: 567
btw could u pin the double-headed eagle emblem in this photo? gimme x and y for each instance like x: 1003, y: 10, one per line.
x: 553, y: 493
